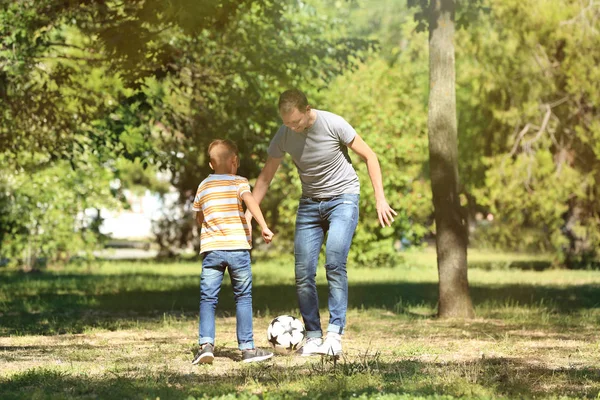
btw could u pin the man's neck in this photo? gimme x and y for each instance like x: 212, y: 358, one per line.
x: 312, y: 118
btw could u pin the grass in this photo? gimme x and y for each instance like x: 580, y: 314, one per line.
x: 126, y: 330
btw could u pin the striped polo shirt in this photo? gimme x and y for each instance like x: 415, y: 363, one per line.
x: 219, y: 197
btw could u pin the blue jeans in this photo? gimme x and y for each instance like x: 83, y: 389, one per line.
x: 214, y: 265
x: 336, y: 217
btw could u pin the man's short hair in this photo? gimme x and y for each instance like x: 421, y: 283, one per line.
x: 291, y: 99
x: 227, y: 149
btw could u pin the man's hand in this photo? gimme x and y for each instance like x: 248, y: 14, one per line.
x: 267, y: 235
x: 385, y: 214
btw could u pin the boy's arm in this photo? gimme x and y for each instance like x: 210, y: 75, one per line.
x: 254, y: 208
x: 199, y: 217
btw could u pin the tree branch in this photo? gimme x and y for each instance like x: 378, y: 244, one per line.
x: 57, y: 44
x: 542, y: 128
x: 581, y: 14
x: 53, y: 57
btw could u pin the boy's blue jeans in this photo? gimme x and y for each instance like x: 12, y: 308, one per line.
x: 338, y: 218
x: 214, y: 265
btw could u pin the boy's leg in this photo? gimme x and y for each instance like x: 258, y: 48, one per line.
x: 213, y: 268
x: 308, y: 239
x: 240, y: 272
x: 342, y: 214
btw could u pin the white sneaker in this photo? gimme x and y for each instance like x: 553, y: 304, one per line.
x: 332, y: 345
x: 311, y: 347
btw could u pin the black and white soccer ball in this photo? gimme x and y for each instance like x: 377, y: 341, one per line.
x: 286, y: 334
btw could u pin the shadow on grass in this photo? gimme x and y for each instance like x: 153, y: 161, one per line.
x: 50, y: 303
x: 514, y: 378
x: 531, y: 265
x: 322, y: 380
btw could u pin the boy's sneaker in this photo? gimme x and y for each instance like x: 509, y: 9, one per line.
x: 255, y: 355
x: 332, y: 345
x: 204, y: 355
x: 311, y: 347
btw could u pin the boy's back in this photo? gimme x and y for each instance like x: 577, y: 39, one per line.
x: 219, y: 198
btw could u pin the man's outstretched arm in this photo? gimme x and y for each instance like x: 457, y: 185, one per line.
x: 263, y: 181
x: 385, y: 214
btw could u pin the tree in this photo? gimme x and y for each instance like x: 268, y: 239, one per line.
x: 451, y: 227
x: 390, y: 114
x: 529, y: 127
x: 172, y: 72
x: 43, y: 219
x: 152, y: 81
x: 526, y: 99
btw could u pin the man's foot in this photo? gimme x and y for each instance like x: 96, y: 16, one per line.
x: 311, y: 347
x: 204, y: 355
x: 255, y: 355
x: 332, y: 345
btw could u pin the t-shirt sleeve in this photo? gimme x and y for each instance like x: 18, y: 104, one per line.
x: 243, y: 187
x: 345, y: 131
x: 197, y: 206
x: 276, y: 148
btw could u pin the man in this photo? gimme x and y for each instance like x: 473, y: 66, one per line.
x: 318, y: 143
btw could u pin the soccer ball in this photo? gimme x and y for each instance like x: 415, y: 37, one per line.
x: 286, y: 334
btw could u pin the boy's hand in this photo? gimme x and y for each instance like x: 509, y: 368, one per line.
x: 267, y: 235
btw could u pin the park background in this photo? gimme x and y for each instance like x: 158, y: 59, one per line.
x: 106, y: 102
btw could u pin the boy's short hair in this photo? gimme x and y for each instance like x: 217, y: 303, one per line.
x: 226, y: 147
x: 291, y: 99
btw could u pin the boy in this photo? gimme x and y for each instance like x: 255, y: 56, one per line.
x: 225, y: 241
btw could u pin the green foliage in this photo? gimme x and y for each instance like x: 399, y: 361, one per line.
x: 154, y: 82
x: 527, y: 107
x: 382, y: 21
x: 42, y: 216
x: 534, y: 222
x: 221, y: 67
x: 528, y: 110
x: 389, y: 112
x: 467, y: 11
x: 387, y: 106
x: 133, y: 176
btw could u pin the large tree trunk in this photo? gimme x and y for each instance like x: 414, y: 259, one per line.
x: 451, y: 227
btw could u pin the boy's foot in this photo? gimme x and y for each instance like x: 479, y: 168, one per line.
x: 255, y: 355
x: 332, y: 345
x: 311, y: 347
x: 204, y: 355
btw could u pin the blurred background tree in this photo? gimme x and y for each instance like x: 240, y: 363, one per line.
x: 111, y: 92
x: 153, y: 82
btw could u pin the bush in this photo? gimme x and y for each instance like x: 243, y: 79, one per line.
x: 43, y: 220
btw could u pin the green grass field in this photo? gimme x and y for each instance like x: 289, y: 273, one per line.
x: 126, y: 330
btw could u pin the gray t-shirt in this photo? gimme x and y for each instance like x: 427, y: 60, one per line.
x: 321, y: 155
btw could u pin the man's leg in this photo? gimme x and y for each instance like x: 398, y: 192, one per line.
x: 308, y: 240
x: 240, y: 272
x: 342, y: 214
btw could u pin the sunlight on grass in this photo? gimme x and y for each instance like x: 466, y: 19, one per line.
x: 126, y: 330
